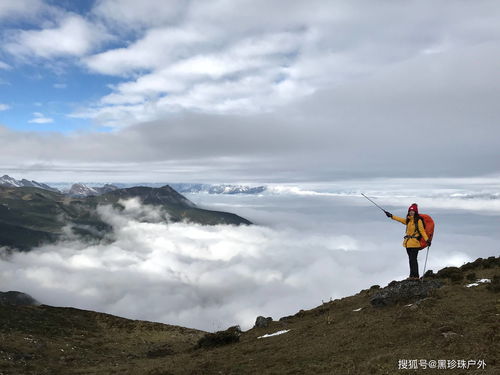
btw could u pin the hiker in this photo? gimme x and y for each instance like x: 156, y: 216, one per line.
x: 414, y: 232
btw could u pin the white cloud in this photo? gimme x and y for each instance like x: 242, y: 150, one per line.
x: 157, y: 94
x: 156, y: 49
x: 4, y: 107
x: 246, y: 76
x: 214, y: 277
x: 40, y: 118
x: 73, y: 36
x: 5, y: 66
x: 60, y: 85
x: 320, y: 91
x: 20, y: 8
x: 212, y: 56
x: 132, y: 14
x: 188, y: 274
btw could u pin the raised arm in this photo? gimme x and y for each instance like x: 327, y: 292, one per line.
x: 400, y: 219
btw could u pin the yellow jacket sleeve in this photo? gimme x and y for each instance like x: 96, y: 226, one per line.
x: 400, y: 219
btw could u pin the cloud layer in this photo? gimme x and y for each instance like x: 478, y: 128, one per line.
x: 240, y: 57
x: 307, y: 249
x: 244, y: 91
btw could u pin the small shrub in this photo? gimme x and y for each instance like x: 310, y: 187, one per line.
x: 472, y: 265
x: 471, y: 276
x: 160, y: 352
x: 494, y: 286
x: 491, y: 262
x: 453, y: 273
x: 482, y: 263
x: 220, y: 338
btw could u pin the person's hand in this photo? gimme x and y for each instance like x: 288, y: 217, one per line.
x: 428, y: 242
x: 388, y: 214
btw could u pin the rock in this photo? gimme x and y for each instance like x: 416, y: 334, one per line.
x: 403, y: 292
x: 450, y: 335
x: 429, y: 274
x: 262, y: 322
x: 159, y: 352
x: 17, y: 299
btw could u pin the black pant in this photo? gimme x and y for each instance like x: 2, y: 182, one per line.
x: 412, y: 256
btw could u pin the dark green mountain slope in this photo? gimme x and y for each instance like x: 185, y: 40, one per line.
x: 348, y: 336
x: 31, y: 216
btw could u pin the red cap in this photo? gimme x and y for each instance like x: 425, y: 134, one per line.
x: 413, y: 207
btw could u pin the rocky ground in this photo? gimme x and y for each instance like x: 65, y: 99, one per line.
x: 446, y: 325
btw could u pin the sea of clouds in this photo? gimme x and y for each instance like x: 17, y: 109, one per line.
x: 307, y: 246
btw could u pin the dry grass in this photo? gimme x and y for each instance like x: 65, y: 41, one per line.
x: 454, y: 323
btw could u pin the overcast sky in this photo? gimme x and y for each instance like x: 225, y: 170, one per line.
x: 237, y: 90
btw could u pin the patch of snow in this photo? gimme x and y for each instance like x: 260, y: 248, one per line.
x: 274, y: 334
x: 358, y: 309
x: 484, y: 281
x: 481, y: 281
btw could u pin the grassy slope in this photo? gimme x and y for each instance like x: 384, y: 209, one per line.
x: 50, y: 340
x: 330, y: 339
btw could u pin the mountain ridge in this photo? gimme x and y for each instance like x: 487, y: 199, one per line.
x: 31, y: 216
x: 80, y: 189
x: 8, y: 181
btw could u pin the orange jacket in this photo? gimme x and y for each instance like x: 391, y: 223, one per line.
x: 412, y: 234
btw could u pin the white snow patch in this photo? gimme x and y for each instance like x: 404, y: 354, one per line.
x: 484, y: 281
x: 274, y: 334
x: 481, y: 281
x: 358, y: 309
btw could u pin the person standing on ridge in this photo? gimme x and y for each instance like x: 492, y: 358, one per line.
x: 414, y: 231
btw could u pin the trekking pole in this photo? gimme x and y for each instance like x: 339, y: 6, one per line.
x: 425, y: 265
x: 373, y: 202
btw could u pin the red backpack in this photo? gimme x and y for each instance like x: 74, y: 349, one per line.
x: 429, y: 229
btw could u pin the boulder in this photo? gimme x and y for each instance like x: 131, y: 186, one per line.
x: 403, y: 292
x: 262, y: 322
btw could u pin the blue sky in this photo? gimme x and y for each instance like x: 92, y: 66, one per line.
x: 240, y: 90
x: 37, y: 90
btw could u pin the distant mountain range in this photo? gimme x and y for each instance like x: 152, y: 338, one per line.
x: 12, y: 182
x: 218, y: 189
x: 32, y: 215
x: 79, y: 190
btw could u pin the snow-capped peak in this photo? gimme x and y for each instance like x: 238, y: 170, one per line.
x: 82, y: 190
x: 8, y: 181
